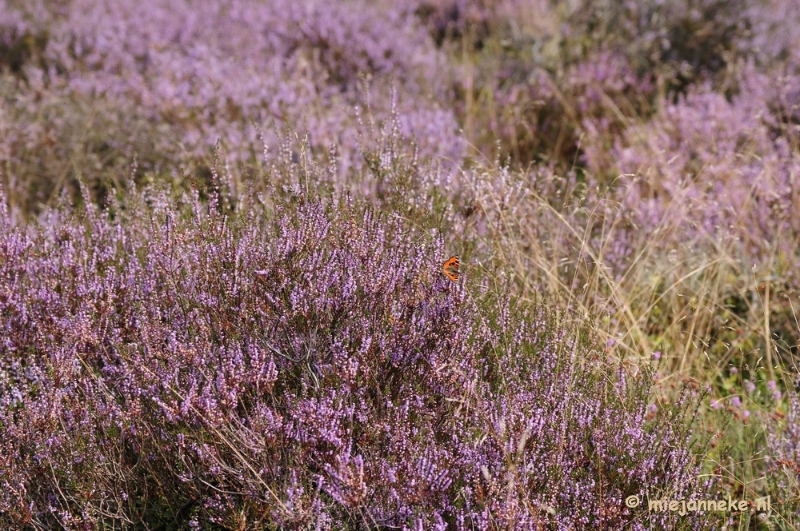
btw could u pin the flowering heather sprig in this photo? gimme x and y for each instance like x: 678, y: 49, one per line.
x: 301, y: 365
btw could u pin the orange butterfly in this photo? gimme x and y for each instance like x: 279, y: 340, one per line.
x: 450, y: 268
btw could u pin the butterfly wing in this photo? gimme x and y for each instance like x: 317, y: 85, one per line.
x: 450, y: 268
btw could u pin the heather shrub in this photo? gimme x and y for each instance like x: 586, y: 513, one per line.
x: 715, y: 178
x: 166, y: 81
x: 730, y: 165
x: 665, y: 286
x: 21, y: 39
x: 783, y: 473
x: 297, y: 364
x: 698, y: 263
x: 231, y: 340
x: 772, y: 37
x: 537, y: 74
